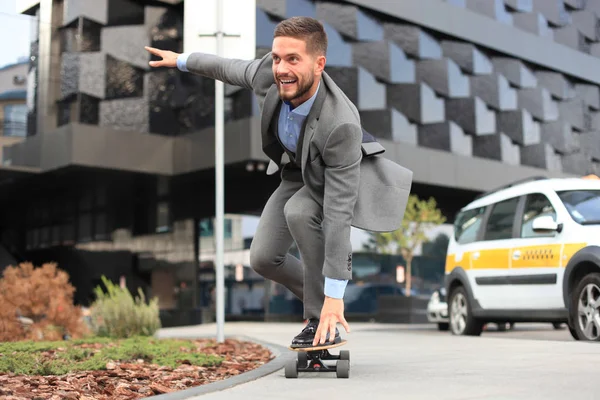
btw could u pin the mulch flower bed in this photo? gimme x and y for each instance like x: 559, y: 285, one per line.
x: 126, y: 379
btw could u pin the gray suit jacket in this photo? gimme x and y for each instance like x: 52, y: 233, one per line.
x: 341, y: 166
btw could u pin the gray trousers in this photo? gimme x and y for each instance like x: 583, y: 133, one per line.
x: 291, y: 215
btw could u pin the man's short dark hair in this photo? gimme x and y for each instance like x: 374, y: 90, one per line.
x: 305, y: 28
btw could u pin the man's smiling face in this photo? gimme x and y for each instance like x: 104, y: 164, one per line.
x: 294, y: 69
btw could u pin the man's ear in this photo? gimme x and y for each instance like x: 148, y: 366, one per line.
x: 320, y: 66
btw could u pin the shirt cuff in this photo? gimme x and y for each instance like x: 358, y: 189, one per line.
x: 335, y: 288
x: 182, y: 61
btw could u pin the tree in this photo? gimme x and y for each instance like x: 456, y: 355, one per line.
x: 420, y: 215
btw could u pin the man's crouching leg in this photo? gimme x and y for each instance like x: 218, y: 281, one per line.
x: 269, y: 255
x: 304, y: 218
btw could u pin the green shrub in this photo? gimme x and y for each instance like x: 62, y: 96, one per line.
x: 117, y: 314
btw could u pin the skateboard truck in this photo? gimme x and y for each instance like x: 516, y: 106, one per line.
x: 310, y: 360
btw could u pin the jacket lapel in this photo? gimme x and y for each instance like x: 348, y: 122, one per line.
x: 269, y: 142
x: 309, y: 125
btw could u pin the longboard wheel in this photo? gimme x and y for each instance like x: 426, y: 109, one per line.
x: 291, y: 369
x: 345, y: 355
x: 302, y: 359
x: 342, y: 369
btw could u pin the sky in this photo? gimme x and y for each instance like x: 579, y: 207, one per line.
x: 14, y: 33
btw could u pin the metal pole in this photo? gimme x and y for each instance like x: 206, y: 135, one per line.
x: 219, y: 196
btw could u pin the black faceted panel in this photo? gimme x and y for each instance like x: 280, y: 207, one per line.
x: 82, y: 73
x: 339, y: 53
x: 515, y: 71
x: 125, y: 12
x: 413, y: 40
x: 179, y: 103
x: 576, y: 4
x: 123, y: 79
x: 416, y: 101
x: 350, y: 21
x: 534, y: 23
x: 167, y: 34
x: 538, y: 101
x: 125, y: 114
x: 519, y: 5
x: 92, y: 71
x: 468, y: 57
x: 495, y: 91
x: 590, y: 143
x: 560, y: 135
x: 389, y: 124
x: 472, y: 115
x: 444, y: 76
x: 65, y: 111
x: 371, y: 92
x: 89, y: 109
x: 519, y: 126
x: 588, y: 24
x: 81, y: 35
x: 497, y: 147
x: 573, y: 112
x: 541, y: 155
x: 130, y: 50
x: 558, y: 85
x: 265, y: 26
x: 288, y: 8
x: 70, y: 74
x: 90, y: 35
x: 594, y: 121
x: 572, y: 37
x: 590, y: 94
x: 553, y: 10
x: 492, y: 8
x: 447, y: 136
x: 577, y: 163
x: 346, y: 79
x: 386, y: 61
x: 95, y: 10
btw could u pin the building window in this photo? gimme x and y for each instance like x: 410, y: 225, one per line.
x: 15, y: 120
x: 207, y: 228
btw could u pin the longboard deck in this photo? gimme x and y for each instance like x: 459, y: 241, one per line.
x: 318, y: 348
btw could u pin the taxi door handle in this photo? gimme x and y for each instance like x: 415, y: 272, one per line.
x: 475, y: 255
x: 516, y: 254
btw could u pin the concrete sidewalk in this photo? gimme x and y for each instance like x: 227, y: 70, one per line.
x: 395, y: 361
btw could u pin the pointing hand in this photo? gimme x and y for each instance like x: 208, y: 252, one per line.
x: 169, y: 58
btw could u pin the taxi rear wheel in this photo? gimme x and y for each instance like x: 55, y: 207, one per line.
x: 462, y: 321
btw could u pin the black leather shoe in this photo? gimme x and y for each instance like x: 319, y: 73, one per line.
x: 306, y: 337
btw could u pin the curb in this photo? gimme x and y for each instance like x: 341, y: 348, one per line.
x: 275, y: 364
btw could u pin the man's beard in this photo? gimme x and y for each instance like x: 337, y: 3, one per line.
x: 302, y: 90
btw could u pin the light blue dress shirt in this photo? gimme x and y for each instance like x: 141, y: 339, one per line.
x: 290, y: 126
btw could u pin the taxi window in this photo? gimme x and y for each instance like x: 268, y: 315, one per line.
x: 466, y: 225
x: 537, y: 205
x: 500, y: 222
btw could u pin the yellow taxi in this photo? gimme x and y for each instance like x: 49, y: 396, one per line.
x: 527, y: 252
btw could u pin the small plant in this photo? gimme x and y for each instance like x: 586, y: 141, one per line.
x: 37, y: 304
x: 117, y: 314
x: 59, y: 358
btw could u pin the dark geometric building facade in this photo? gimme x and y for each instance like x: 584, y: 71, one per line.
x: 469, y: 94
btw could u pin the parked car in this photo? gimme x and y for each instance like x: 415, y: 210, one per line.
x: 527, y: 252
x: 437, y: 309
x: 437, y: 312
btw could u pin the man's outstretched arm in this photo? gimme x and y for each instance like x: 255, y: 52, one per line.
x: 231, y: 71
x: 342, y: 155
